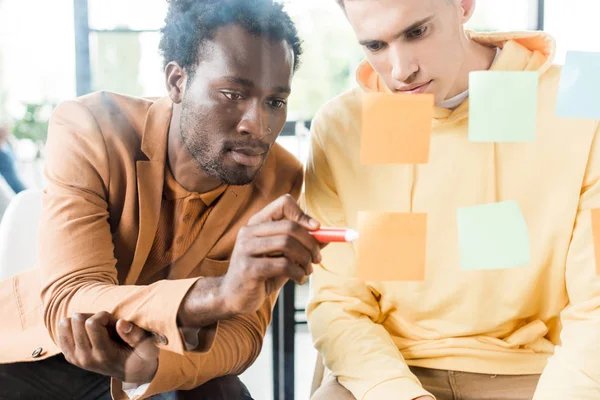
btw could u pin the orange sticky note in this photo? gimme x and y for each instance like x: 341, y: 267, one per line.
x: 391, y: 246
x: 596, y: 234
x: 396, y: 128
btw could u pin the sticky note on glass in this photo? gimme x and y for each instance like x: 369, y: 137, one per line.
x: 396, y: 128
x: 493, y: 236
x: 391, y: 247
x: 596, y: 238
x: 579, y: 89
x: 503, y: 106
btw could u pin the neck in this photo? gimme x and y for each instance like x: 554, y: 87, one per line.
x: 477, y: 58
x: 184, y: 168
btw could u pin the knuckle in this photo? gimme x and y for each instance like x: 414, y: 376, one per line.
x: 243, y: 265
x: 103, y: 314
x: 243, y: 232
x: 69, y: 357
x: 290, y: 226
x: 251, y: 266
x: 243, y: 247
x: 283, y: 265
x: 78, y: 317
x: 307, y: 259
x: 102, y: 358
x: 288, y: 242
x: 83, y: 362
x: 287, y: 198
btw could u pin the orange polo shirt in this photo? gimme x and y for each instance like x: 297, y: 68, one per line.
x: 182, y: 216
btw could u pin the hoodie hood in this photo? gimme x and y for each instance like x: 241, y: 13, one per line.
x: 521, y: 51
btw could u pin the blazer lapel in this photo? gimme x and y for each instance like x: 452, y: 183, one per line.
x: 150, y: 181
x: 216, y: 223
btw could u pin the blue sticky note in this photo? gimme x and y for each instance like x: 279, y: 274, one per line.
x: 493, y: 236
x: 579, y: 90
x: 503, y: 106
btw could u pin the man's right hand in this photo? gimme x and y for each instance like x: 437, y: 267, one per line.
x: 275, y: 246
x: 272, y: 248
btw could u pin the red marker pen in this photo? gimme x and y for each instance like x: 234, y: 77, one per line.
x: 335, y: 235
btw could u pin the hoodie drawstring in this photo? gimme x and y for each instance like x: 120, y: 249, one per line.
x: 412, y: 171
x: 492, y: 179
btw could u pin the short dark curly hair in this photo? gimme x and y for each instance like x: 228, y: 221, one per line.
x: 191, y: 23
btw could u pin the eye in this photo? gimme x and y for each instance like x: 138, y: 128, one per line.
x: 417, y: 33
x: 277, y: 103
x: 232, y: 96
x: 375, y: 46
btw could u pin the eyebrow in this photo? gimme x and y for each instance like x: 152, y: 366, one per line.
x: 249, y: 84
x: 404, y: 32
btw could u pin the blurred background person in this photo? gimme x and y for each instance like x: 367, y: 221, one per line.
x: 8, y: 168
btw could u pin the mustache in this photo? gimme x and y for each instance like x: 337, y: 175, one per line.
x: 256, y: 145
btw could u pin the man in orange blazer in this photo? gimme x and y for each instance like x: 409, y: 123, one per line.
x: 168, y: 226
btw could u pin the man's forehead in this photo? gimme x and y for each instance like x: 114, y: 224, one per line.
x: 255, y: 58
x: 387, y: 18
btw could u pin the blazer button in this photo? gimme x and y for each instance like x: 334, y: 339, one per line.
x: 37, y: 352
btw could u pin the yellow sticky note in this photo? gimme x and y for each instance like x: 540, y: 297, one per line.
x: 596, y: 234
x: 396, y: 128
x: 391, y: 247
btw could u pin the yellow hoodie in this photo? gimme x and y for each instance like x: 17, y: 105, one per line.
x: 494, y: 321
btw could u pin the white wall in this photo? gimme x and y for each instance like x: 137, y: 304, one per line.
x: 574, y: 24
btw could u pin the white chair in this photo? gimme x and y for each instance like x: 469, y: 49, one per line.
x: 6, y: 195
x: 19, y: 233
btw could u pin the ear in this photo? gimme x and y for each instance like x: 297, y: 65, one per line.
x: 467, y: 8
x: 176, y: 80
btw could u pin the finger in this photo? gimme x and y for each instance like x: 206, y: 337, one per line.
x: 97, y: 329
x: 284, y: 207
x: 131, y: 334
x: 137, y: 338
x: 275, y: 246
x: 279, y: 269
x: 80, y: 335
x: 65, y: 337
x: 294, y: 229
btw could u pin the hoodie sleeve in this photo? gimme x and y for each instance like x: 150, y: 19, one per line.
x: 344, y: 313
x: 573, y: 372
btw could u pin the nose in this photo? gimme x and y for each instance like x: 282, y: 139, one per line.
x: 255, y: 121
x: 403, y: 65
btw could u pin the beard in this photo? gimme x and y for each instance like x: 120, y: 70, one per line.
x: 209, y: 155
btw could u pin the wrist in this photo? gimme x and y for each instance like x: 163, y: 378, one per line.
x: 203, y: 305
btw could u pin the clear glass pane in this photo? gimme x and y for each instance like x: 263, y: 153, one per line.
x: 131, y: 14
x: 127, y: 63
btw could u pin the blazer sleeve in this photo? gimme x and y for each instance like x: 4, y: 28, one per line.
x: 76, y: 253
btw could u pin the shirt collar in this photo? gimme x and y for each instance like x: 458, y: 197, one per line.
x: 174, y: 191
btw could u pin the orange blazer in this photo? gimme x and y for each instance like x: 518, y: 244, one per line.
x: 105, y: 167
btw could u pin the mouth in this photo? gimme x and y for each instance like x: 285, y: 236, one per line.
x: 414, y: 89
x: 247, y: 156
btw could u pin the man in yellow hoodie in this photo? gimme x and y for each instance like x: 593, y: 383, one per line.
x: 518, y: 333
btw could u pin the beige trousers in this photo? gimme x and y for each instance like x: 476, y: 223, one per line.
x: 452, y: 385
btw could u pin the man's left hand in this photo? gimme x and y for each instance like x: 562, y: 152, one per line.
x: 86, y: 343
